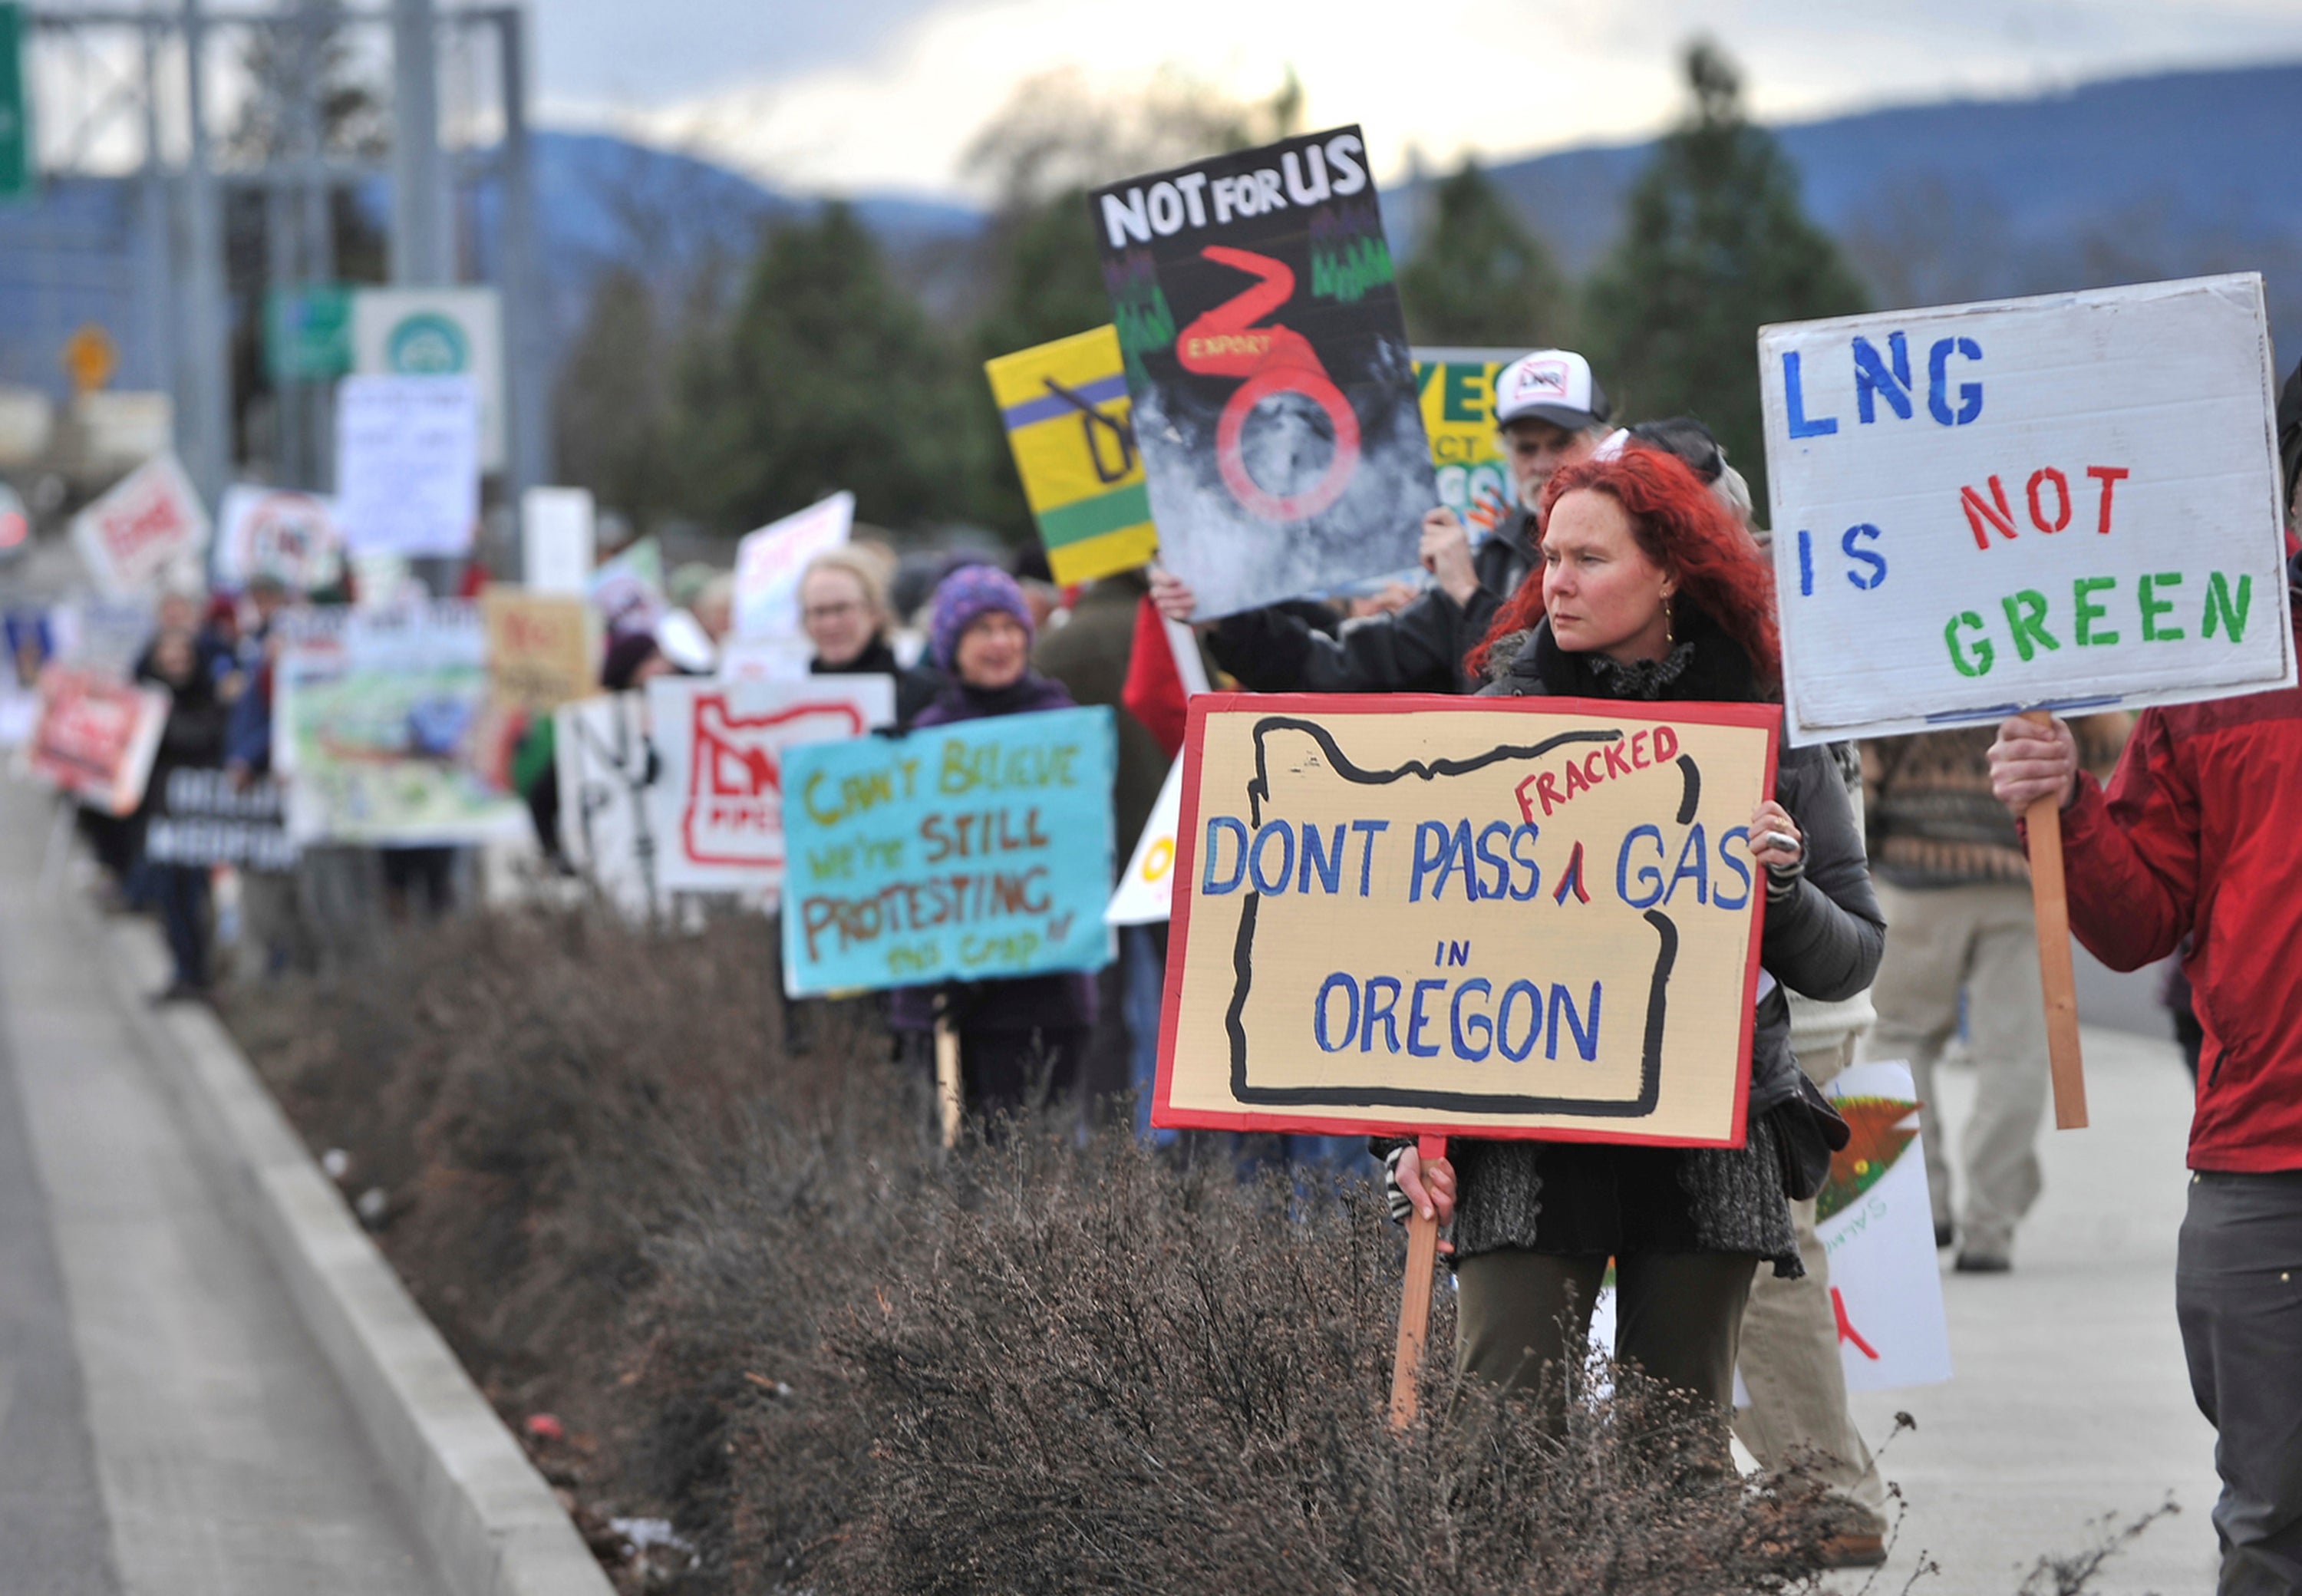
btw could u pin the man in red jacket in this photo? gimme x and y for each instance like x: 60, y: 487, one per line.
x: 2195, y: 837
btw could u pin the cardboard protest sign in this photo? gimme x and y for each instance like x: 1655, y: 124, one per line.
x: 202, y: 818
x: 149, y: 526
x: 1877, y: 1230
x: 717, y: 803
x: 769, y: 562
x: 1494, y: 918
x: 376, y: 719
x: 541, y: 647
x: 1066, y: 411
x: 1146, y: 892
x: 1457, y: 390
x: 273, y: 531
x: 407, y: 464
x: 95, y: 738
x: 1274, y: 390
x: 959, y: 852
x: 604, y: 768
x: 2067, y: 502
x: 627, y: 591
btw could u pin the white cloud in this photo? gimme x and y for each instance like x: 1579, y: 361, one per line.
x: 1494, y: 77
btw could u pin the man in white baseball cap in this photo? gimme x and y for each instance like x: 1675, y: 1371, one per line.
x: 1550, y: 412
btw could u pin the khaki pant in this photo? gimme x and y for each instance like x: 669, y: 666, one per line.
x: 1982, y: 939
x: 1791, y: 1365
x: 1677, y: 1317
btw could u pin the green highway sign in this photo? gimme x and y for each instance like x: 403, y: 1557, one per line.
x: 307, y: 332
x: 16, y: 166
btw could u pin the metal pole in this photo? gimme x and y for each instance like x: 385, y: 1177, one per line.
x: 527, y: 363
x: 420, y: 235
x: 316, y: 245
x: 157, y: 256
x: 208, y: 386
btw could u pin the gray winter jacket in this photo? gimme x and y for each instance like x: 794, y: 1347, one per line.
x: 1824, y: 937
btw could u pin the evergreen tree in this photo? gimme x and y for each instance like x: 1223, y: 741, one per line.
x: 828, y: 376
x: 1478, y: 276
x: 1714, y: 245
x: 607, y: 406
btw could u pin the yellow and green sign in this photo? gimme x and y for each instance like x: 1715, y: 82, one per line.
x: 1066, y: 411
x: 1458, y: 390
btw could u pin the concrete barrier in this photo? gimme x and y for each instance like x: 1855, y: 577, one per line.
x: 492, y: 1523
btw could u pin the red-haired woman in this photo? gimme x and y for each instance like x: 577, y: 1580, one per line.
x: 1650, y: 590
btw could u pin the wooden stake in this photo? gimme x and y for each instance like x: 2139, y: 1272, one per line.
x: 1414, y: 1299
x: 2051, y: 908
x: 948, y: 1097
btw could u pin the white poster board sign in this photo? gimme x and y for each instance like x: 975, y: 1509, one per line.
x: 407, y: 469
x: 1146, y: 892
x: 718, y: 802
x: 437, y: 332
x: 599, y: 747
x: 2067, y: 502
x: 769, y: 561
x: 150, y: 525
x: 1877, y: 1228
x: 556, y: 547
x: 277, y: 531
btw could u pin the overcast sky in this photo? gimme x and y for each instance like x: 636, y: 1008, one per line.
x: 884, y: 93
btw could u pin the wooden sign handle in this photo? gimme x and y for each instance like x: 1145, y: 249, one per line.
x: 947, y: 1094
x: 2050, y: 907
x: 1414, y: 1299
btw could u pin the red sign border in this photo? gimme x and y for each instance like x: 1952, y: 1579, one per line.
x: 1758, y: 717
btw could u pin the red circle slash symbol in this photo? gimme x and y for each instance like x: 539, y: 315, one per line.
x: 1225, y: 342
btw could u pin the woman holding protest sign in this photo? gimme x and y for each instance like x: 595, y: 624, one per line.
x: 843, y: 608
x: 1020, y: 1039
x: 1650, y: 590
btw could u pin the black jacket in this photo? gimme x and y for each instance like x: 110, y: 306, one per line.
x: 1825, y: 938
x: 1418, y: 649
x: 915, y: 688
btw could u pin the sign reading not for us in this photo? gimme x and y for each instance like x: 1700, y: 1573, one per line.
x: 2067, y: 502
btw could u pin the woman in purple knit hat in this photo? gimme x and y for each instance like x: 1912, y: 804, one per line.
x: 1020, y: 1040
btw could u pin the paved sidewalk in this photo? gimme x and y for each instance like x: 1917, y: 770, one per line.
x: 199, y: 1444
x: 2070, y: 1399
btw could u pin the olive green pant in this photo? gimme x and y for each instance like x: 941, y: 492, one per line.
x: 1678, y: 1316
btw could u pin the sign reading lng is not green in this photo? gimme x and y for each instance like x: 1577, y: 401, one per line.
x: 2066, y: 503
x: 958, y: 853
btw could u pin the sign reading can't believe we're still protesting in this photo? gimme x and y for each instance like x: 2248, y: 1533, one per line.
x: 1490, y: 917
x: 1274, y: 390
x: 2069, y: 502
x: 957, y: 853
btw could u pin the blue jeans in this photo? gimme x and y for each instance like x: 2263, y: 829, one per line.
x: 181, y: 891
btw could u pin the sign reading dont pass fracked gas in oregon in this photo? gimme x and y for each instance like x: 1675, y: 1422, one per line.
x: 2069, y: 502
x: 1492, y: 918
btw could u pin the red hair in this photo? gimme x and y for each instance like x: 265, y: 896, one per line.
x: 1681, y: 527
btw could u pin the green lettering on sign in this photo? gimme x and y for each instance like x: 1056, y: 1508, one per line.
x: 16, y: 174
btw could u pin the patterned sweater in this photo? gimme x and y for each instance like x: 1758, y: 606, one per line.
x: 1930, y: 819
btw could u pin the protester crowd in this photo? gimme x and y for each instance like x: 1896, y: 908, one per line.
x: 1898, y: 920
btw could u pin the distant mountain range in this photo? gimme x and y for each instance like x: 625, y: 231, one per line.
x: 2172, y: 175
x: 2163, y: 176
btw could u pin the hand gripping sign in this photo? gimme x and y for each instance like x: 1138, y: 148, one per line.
x: 1528, y: 917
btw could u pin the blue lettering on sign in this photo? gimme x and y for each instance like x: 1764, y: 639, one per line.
x: 1874, y: 379
x: 1875, y: 563
x: 1969, y: 394
x: 1794, y: 403
x: 1222, y: 826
